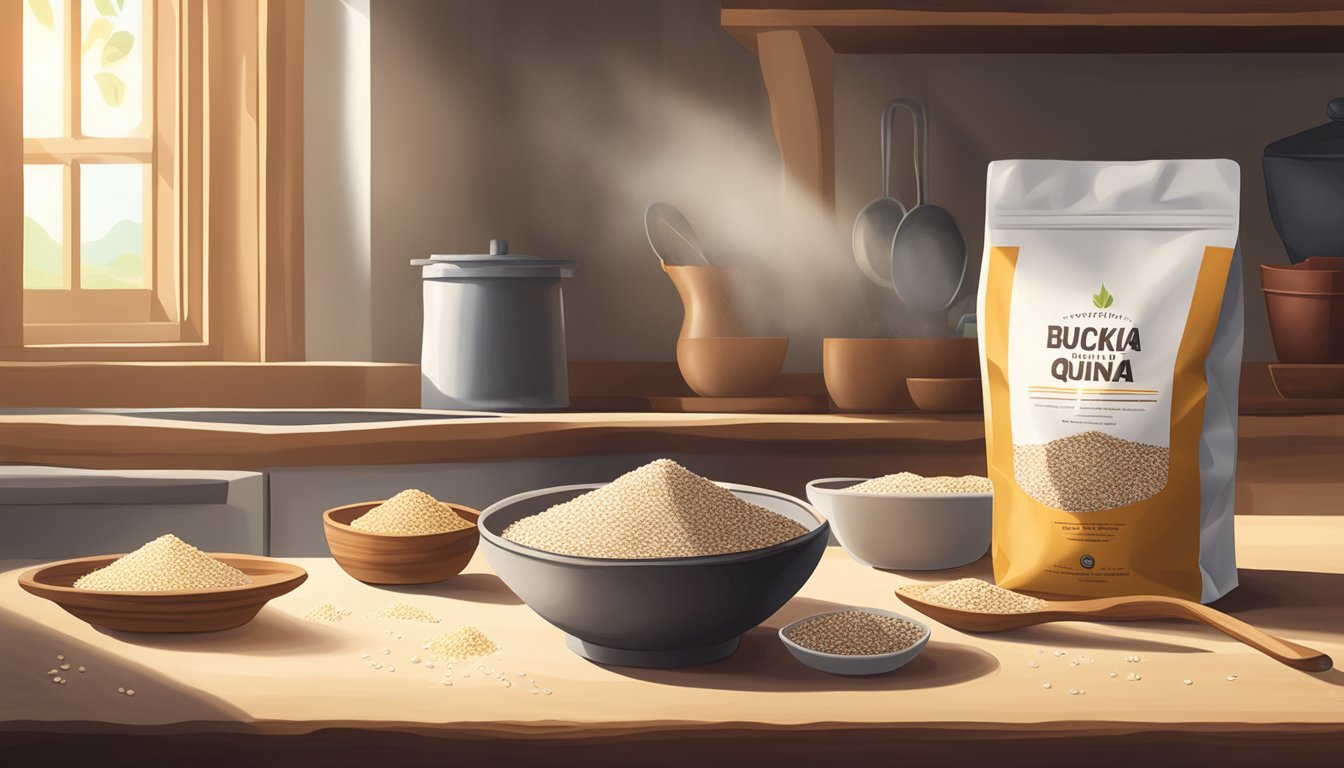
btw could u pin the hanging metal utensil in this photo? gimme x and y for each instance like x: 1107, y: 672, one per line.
x: 671, y: 236
x: 927, y: 251
x: 876, y: 224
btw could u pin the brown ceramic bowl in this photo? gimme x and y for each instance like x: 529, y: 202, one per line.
x: 1306, y: 327
x: 199, y: 610
x: 946, y: 394
x: 731, y: 366
x: 1318, y: 274
x: 389, y: 558
x: 870, y: 374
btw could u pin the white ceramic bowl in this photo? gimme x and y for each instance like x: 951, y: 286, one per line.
x: 905, y: 531
x: 839, y: 664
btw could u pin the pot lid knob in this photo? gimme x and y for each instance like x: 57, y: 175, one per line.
x: 501, y: 247
x: 1335, y: 109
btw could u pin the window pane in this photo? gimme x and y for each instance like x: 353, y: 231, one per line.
x: 111, y: 225
x: 43, y: 231
x: 112, y: 68
x: 44, y: 68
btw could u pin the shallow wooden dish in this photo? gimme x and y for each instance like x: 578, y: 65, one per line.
x: 387, y: 558
x: 204, y: 610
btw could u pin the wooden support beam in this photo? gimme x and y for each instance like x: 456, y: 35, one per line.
x: 797, y: 65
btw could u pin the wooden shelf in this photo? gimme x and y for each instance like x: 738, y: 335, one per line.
x: 1072, y: 26
x: 796, y: 41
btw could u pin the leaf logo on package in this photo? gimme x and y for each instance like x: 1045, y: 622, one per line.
x: 1103, y: 299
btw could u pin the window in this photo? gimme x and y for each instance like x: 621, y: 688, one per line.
x: 151, y: 180
x: 100, y: 261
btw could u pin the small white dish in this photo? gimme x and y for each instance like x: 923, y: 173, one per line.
x: 905, y: 531
x: 844, y: 664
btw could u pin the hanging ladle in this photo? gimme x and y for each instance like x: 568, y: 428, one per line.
x: 928, y: 252
x: 876, y: 224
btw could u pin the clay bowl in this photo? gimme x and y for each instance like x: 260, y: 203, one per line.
x: 731, y: 366
x: 871, y: 374
x: 1318, y: 274
x: 960, y: 394
x: 389, y: 558
x: 201, y: 610
x: 1306, y: 327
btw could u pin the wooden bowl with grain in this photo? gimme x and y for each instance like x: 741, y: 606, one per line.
x: 390, y: 558
x: 186, y: 610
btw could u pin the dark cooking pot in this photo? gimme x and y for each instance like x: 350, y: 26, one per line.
x: 1304, y: 177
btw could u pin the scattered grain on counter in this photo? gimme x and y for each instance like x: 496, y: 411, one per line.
x: 909, y: 482
x: 326, y: 612
x: 659, y: 510
x: 856, y: 633
x: 411, y: 513
x: 979, y: 596
x: 405, y: 612
x: 166, y: 563
x: 1090, y: 471
x: 461, y: 643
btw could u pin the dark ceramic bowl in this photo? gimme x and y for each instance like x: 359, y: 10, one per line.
x: 666, y: 612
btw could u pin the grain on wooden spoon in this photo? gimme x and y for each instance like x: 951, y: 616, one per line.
x: 1136, y: 608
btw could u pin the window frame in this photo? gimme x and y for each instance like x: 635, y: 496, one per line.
x: 235, y: 182
x: 74, y: 315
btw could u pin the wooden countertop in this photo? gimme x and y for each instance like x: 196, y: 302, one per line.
x: 1309, y: 448
x: 103, y: 441
x: 965, y: 697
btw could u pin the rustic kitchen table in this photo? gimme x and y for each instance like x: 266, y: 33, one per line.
x: 283, y: 688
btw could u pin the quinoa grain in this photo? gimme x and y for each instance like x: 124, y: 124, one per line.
x: 1090, y: 471
x: 166, y: 563
x: 856, y: 633
x: 909, y: 482
x: 411, y: 513
x: 659, y: 510
x: 978, y: 596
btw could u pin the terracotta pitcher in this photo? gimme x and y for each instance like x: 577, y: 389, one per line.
x: 707, y: 298
x: 716, y: 356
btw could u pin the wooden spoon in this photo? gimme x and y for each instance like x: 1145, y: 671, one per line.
x: 1136, y: 608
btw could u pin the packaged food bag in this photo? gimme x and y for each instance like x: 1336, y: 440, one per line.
x: 1110, y: 313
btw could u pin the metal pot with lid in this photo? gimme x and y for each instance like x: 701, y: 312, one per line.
x: 494, y: 332
x: 1304, y: 178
